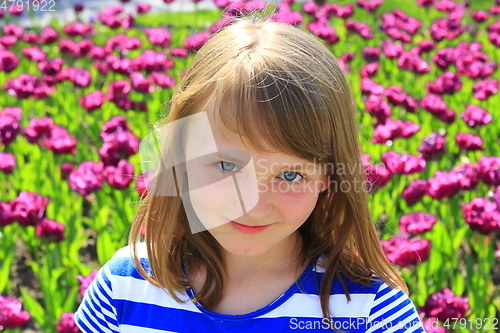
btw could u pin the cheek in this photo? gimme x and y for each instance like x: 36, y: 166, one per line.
x: 298, y: 206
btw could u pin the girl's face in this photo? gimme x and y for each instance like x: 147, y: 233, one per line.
x: 250, y: 201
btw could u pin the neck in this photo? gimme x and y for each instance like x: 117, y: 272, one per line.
x: 284, y: 257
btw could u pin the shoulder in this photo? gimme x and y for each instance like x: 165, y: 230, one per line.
x: 122, y: 265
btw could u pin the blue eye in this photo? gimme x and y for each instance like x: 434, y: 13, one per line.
x: 290, y: 175
x: 223, y: 165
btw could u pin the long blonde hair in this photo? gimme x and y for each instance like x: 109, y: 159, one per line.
x: 282, y: 85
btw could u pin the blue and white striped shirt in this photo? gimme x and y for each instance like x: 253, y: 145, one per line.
x: 121, y: 300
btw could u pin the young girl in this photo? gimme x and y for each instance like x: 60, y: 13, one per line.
x: 257, y: 216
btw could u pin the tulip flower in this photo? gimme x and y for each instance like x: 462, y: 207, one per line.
x: 85, y: 281
x: 475, y: 116
x: 489, y: 170
x: 143, y: 8
x: 377, y: 175
x: 159, y: 37
x: 378, y: 107
x: 8, y: 42
x: 5, y: 218
x: 195, y: 42
x: 479, y: 15
x: 425, y: 3
x: 403, y: 164
x: 50, y: 229
x: 468, y: 141
x: 9, y: 124
x: 7, y: 162
x: 66, y: 169
x: 443, y: 184
x: 86, y: 178
x: 34, y: 53
x: 413, y: 62
x: 78, y: 7
x: 121, y: 176
x: 482, y: 215
x: 486, y: 88
x: 321, y: 28
x: 152, y: 61
x: 447, y: 83
x: 444, y: 305
x: 11, y: 314
x: 92, y: 101
x: 369, y: 69
x: 416, y: 223
x: 67, y: 323
x: 405, y: 251
x: 48, y: 35
x: 394, y: 129
x: 141, y: 83
x: 369, y: 86
x: 28, y: 208
x: 468, y: 176
x: 415, y: 191
x: 371, y: 53
x: 435, y: 105
x: 163, y: 80
x: 446, y: 6
x: 285, y: 14
x: 78, y: 29
x: 433, y: 146
x: 8, y: 61
x: 13, y: 30
x: 140, y: 186
x: 342, y: 12
x: 369, y: 6
x: 363, y: 29
x: 51, y: 66
x: 391, y: 50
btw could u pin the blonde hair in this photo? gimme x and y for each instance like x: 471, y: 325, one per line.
x: 282, y: 85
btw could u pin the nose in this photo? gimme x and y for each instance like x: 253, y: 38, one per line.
x: 264, y: 206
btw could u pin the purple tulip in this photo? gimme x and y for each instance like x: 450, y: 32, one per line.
x: 444, y: 305
x: 482, y: 215
x: 78, y: 76
x: 310, y: 8
x: 413, y: 62
x: 13, y: 30
x: 446, y: 28
x: 66, y: 169
x: 140, y: 185
x: 8, y: 61
x: 50, y: 229
x: 489, y: 170
x: 67, y: 323
x: 468, y: 141
x: 425, y: 46
x: 435, y: 105
x: 28, y: 208
x: 69, y: 46
x: 92, y: 101
x: 447, y: 6
x: 143, y: 8
x: 369, y: 86
x: 369, y: 6
x: 78, y: 7
x: 78, y: 29
x: 85, y: 281
x: 403, y: 164
x: 87, y: 178
x: 416, y: 223
x: 285, y: 14
x: 121, y: 66
x: 391, y: 50
x: 98, y: 53
x: 342, y: 12
x: 195, y: 42
x: 405, y: 251
x: 371, y: 53
x: 447, y: 83
x: 475, y: 116
x: 394, y: 129
x: 425, y: 3
x: 51, y: 66
x: 369, y: 69
x: 60, y: 141
x: 38, y: 128
x: 360, y: 28
x: 321, y: 28
x: 5, y: 218
x: 11, y: 314
x: 8, y: 42
x: 118, y: 141
x: 9, y: 124
x: 377, y: 175
x: 26, y: 85
x: 118, y: 89
x: 479, y: 15
x: 159, y: 37
x: 48, y: 35
x: 121, y: 176
x: 443, y: 185
x: 486, y: 88
x: 141, y: 83
x: 433, y: 146
x: 152, y: 61
x: 163, y: 80
x: 468, y: 176
x: 431, y: 326
x: 34, y: 53
x: 7, y: 162
x: 415, y: 191
x: 378, y: 107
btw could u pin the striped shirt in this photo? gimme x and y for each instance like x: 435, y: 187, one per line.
x: 121, y: 300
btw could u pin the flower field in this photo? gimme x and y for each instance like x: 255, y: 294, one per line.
x: 77, y: 98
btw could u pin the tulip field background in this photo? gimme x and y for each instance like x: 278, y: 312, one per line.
x: 76, y: 99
